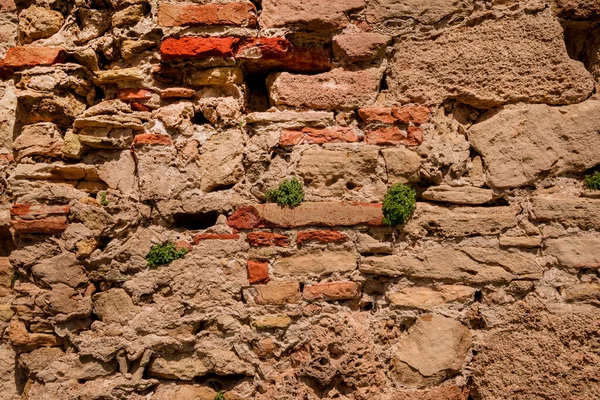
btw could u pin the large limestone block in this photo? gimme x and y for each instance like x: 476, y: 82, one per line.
x: 520, y: 144
x: 114, y: 305
x: 577, y: 252
x: 426, y: 12
x: 493, y: 62
x: 337, y: 89
x: 310, y: 14
x: 468, y: 265
x: 39, y: 23
x: 301, y: 265
x: 221, y: 160
x: 435, y: 346
x: 569, y: 211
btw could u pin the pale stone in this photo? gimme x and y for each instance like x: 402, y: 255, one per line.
x: 429, y: 12
x: 118, y: 75
x: 325, y: 262
x: 434, y: 345
x: 530, y: 64
x: 171, y: 391
x: 569, y: 211
x: 39, y: 23
x: 425, y: 298
x: 311, y: 14
x: 458, y: 194
x: 468, y: 265
x: 216, y: 76
x: 71, y: 147
x: 43, y: 139
x: 575, y: 252
x: 357, y: 47
x: 60, y: 269
x: 221, y: 160
x: 181, y: 366
x: 337, y: 89
x: 582, y: 292
x: 523, y: 144
x: 402, y: 165
x: 114, y: 305
x: 271, y: 321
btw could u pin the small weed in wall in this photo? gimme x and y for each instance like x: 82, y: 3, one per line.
x: 399, y: 204
x: 289, y: 193
x: 592, y: 181
x: 103, y: 201
x: 220, y: 396
x: 161, y: 254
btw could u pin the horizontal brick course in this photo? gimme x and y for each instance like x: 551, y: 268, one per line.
x: 43, y: 226
x: 24, y: 210
x: 318, y: 136
x: 134, y: 94
x: 279, y: 293
x: 393, y: 135
x: 267, y: 239
x: 197, y: 47
x: 182, y: 14
x: 216, y: 236
x: 258, y: 271
x: 323, y: 236
x: 307, y: 214
x: 395, y: 115
x: 151, y: 139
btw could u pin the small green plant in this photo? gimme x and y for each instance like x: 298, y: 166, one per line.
x: 103, y: 201
x: 289, y: 193
x: 592, y: 181
x: 398, y: 204
x: 161, y: 254
x: 220, y: 396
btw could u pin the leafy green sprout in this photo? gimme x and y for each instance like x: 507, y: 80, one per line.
x: 592, y: 181
x: 289, y: 193
x: 161, y: 254
x: 220, y: 396
x: 103, y: 201
x: 399, y: 204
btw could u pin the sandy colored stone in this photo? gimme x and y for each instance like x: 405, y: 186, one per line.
x: 170, y: 391
x: 180, y: 366
x: 458, y: 194
x: 221, y: 160
x: 530, y: 64
x: 569, y: 211
x: 520, y: 241
x: 356, y: 47
x: 434, y: 345
x: 311, y: 14
x: 118, y: 75
x: 301, y: 265
x: 42, y: 139
x: 578, y: 9
x: 426, y: 298
x: 521, y: 144
x: 575, y: 252
x: 467, y: 265
x: 273, y: 293
x: 343, y: 290
x: 63, y: 268
x: 582, y: 292
x: 38, y: 23
x: 271, y: 322
x: 216, y: 76
x: 114, y: 305
x: 337, y: 90
x: 128, y: 16
x: 427, y: 13
x: 402, y: 165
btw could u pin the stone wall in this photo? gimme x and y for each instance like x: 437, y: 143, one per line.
x: 130, y: 123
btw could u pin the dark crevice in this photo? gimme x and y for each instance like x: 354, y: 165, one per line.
x: 258, y: 95
x: 195, y: 221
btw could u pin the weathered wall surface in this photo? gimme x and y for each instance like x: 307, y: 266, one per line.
x: 184, y: 114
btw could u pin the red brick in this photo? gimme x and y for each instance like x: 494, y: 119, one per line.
x: 45, y: 226
x: 415, y: 114
x: 170, y: 93
x: 258, y: 271
x: 140, y: 107
x: 318, y: 136
x: 240, y: 14
x: 306, y: 214
x: 393, y: 135
x: 215, y: 236
x: 134, y: 94
x: 182, y: 244
x: 332, y: 291
x: 245, y: 217
x: 263, y: 54
x: 25, y: 57
x: 196, y: 47
x: 267, y: 239
x: 323, y: 236
x: 6, y: 159
x: 36, y: 210
x: 377, y: 114
x: 151, y: 139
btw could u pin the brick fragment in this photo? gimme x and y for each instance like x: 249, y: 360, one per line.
x: 267, y: 239
x: 239, y: 14
x: 393, y: 135
x: 182, y: 244
x: 215, y: 236
x: 6, y: 159
x: 395, y: 115
x: 323, y: 236
x: 44, y: 226
x: 151, y: 139
x: 332, y: 291
x: 318, y: 136
x: 135, y: 106
x: 134, y: 94
x: 197, y: 47
x: 29, y: 56
x: 306, y: 214
x: 258, y: 271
